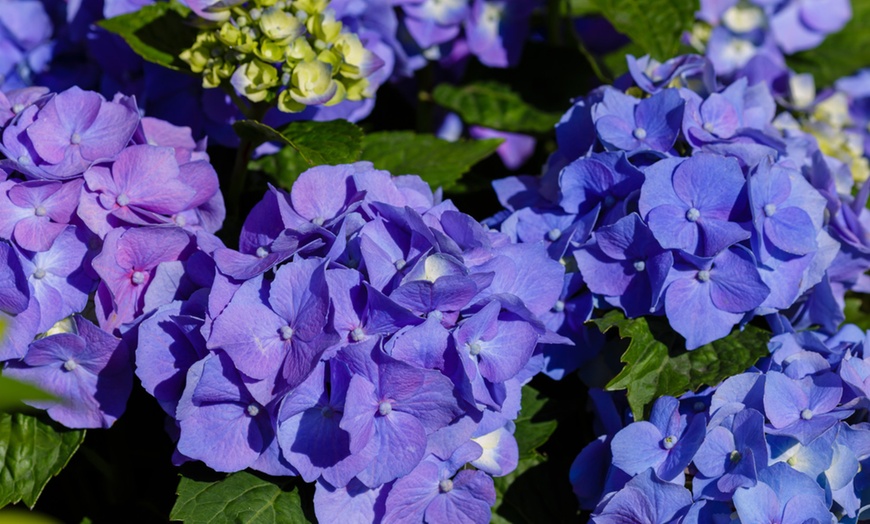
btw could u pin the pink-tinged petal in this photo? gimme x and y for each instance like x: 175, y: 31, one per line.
x: 96, y: 217
x: 37, y: 233
x: 202, y: 178
x: 109, y: 133
x: 148, y: 177
x: 320, y: 193
x: 143, y: 248
x: 249, y: 333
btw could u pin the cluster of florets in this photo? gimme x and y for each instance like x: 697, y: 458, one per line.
x: 293, y: 51
x: 691, y: 203
x: 25, y: 40
x: 367, y: 336
x: 492, y: 30
x: 787, y: 441
x: 95, y: 203
x: 752, y: 37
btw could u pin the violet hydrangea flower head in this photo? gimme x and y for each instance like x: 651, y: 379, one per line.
x: 87, y: 369
x: 624, y: 122
x: 362, y: 310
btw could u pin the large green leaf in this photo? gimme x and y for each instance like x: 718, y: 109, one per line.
x: 334, y: 142
x: 240, y: 498
x: 284, y: 167
x: 438, y: 162
x: 841, y: 53
x: 31, y: 452
x: 494, y: 105
x: 533, y: 428
x: 12, y: 392
x: 655, y: 25
x: 157, y: 32
x: 657, y: 363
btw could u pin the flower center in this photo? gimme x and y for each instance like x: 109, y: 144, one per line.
x: 262, y: 251
x: 639, y: 266
x: 75, y: 139
x: 253, y: 410
x: 807, y: 414
x: 180, y: 220
x: 703, y: 275
x: 639, y: 133
x: 24, y: 160
x: 122, y: 200
x: 400, y: 264
x: 357, y: 334
x: 39, y: 274
x: 669, y: 442
x: 693, y: 214
x: 445, y: 485
x: 735, y: 457
x: 708, y: 127
x: 554, y: 234
x: 137, y: 278
x: 286, y: 333
x: 17, y: 108
x: 318, y: 221
x: 39, y: 211
x: 770, y: 209
x: 385, y: 408
x: 559, y: 306
x: 474, y: 348
x: 70, y: 364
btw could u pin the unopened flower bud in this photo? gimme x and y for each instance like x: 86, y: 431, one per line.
x: 279, y: 25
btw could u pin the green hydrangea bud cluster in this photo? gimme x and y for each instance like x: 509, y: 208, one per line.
x: 294, y: 51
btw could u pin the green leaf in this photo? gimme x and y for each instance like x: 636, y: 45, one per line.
x: 157, y: 32
x: 12, y: 392
x: 856, y: 311
x: 494, y: 105
x: 655, y: 25
x: 616, y: 63
x: 240, y: 498
x: 31, y: 452
x: 533, y: 429
x: 284, y: 167
x: 334, y: 142
x: 842, y: 53
x: 657, y: 363
x: 438, y: 162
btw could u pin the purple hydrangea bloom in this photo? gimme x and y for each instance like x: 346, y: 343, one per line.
x: 624, y: 122
x: 35, y: 213
x: 87, y: 369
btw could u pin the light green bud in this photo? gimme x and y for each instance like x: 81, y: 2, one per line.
x: 266, y: 3
x: 312, y: 83
x: 339, y: 96
x: 330, y: 57
x: 357, y: 89
x: 287, y: 104
x: 324, y: 26
x: 270, y: 51
x: 357, y: 59
x: 200, y: 52
x: 254, y: 79
x: 281, y: 26
x: 311, y: 6
x: 299, y: 51
x: 229, y: 34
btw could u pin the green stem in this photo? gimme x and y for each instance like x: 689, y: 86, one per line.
x: 240, y: 166
x: 426, y: 106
